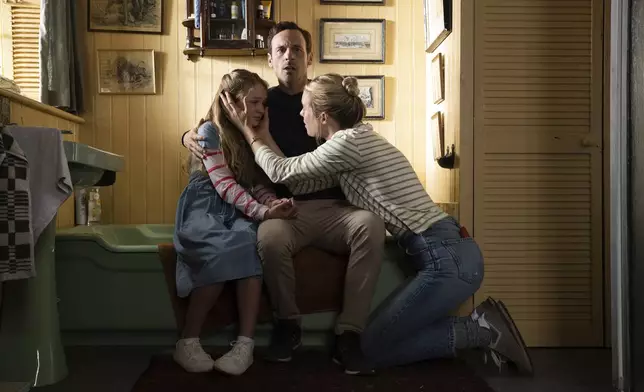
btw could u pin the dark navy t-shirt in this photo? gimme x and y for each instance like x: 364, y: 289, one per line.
x: 288, y: 130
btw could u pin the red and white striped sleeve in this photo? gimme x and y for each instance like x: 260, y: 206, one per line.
x: 230, y: 191
x: 263, y: 194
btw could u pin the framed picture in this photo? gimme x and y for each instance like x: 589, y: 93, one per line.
x: 438, y: 78
x: 438, y: 22
x: 372, y: 93
x: 126, y: 71
x: 125, y: 16
x: 354, y: 2
x: 438, y: 135
x: 352, y: 40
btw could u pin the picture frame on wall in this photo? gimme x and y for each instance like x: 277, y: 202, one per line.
x: 438, y: 78
x: 346, y: 40
x: 438, y: 22
x: 438, y: 135
x: 372, y: 93
x: 126, y: 71
x: 354, y: 2
x: 125, y: 16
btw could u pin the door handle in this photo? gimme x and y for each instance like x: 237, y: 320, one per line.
x: 588, y: 142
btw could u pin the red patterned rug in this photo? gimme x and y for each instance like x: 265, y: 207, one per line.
x: 312, y: 371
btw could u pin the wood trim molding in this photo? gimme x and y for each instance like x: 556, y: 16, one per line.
x: 41, y: 106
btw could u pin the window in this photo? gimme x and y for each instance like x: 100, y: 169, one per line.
x: 21, y: 61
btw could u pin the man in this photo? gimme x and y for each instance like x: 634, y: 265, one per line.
x: 325, y: 219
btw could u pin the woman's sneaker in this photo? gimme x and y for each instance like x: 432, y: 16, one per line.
x: 488, y: 304
x: 506, y: 338
x: 191, y: 356
x: 238, y: 359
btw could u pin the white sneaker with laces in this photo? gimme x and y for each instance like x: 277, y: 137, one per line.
x: 191, y: 356
x: 238, y: 359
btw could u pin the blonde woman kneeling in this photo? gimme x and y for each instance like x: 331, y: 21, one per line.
x: 414, y: 323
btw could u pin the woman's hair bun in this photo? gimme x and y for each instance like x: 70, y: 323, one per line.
x: 350, y: 84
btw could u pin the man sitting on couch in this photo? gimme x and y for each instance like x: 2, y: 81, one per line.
x: 325, y: 219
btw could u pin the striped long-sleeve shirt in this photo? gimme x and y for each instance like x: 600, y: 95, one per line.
x: 252, y: 203
x: 373, y: 174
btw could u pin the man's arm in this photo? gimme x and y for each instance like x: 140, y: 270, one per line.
x: 190, y: 140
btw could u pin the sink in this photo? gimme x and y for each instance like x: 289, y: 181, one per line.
x: 90, y: 166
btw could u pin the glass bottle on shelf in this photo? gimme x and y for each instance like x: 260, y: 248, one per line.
x: 234, y: 10
x: 213, y: 9
x: 221, y: 9
x: 230, y: 28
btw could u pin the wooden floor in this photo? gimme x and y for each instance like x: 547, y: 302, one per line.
x: 115, y: 369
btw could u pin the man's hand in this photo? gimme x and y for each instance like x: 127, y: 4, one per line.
x: 191, y: 140
x: 281, y: 209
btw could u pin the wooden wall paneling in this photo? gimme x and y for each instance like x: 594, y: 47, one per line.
x: 147, y: 130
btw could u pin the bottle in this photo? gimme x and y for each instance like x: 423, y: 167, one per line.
x: 221, y: 9
x: 213, y: 10
x: 260, y: 12
x: 234, y: 10
x: 80, y: 204
x: 94, y: 207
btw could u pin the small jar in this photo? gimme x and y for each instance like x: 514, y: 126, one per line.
x: 260, y: 12
x: 259, y: 41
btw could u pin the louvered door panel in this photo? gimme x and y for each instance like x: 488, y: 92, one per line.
x: 538, y: 174
x: 25, y: 21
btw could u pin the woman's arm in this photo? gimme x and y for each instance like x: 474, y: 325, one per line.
x: 270, y: 143
x: 223, y: 179
x: 337, y: 155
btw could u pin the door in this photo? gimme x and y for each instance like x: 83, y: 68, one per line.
x: 538, y: 164
x: 627, y: 192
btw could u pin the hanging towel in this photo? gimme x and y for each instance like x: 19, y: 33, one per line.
x: 50, y: 183
x: 16, y: 234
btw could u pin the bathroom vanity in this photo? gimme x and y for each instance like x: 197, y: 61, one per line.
x: 23, y: 111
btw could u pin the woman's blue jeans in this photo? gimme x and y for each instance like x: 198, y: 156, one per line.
x: 414, y: 322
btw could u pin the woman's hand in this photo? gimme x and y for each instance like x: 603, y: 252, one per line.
x: 237, y: 114
x: 262, y: 128
x: 281, y: 209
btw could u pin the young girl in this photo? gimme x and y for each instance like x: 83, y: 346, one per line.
x: 215, y: 230
x: 414, y: 323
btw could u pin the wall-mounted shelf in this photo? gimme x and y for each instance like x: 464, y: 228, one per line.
x: 224, y: 52
x: 223, y: 32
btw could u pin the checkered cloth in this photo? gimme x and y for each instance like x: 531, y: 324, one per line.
x: 16, y: 236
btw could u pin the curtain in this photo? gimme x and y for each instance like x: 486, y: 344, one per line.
x: 60, y: 71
